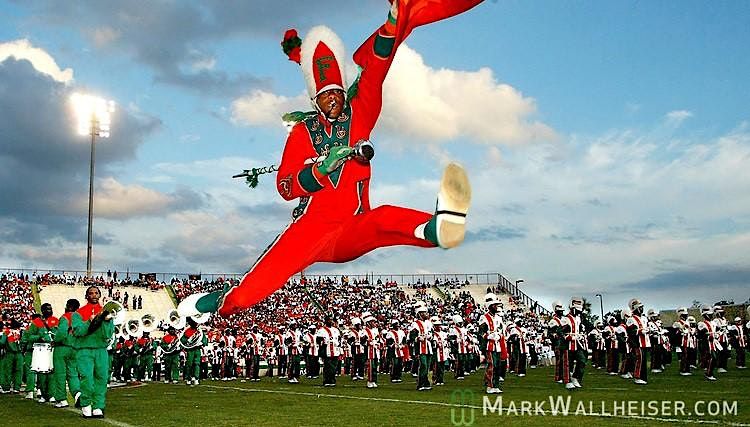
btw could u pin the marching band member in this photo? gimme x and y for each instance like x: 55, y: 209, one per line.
x: 693, y: 348
x: 656, y: 335
x: 599, y: 350
x: 129, y: 355
x: 255, y: 348
x: 637, y: 327
x: 192, y: 340
x: 576, y: 345
x: 556, y: 337
x: 293, y: 342
x: 420, y: 333
x: 709, y: 343
x: 722, y: 350
x: 145, y: 348
x: 395, y: 340
x: 230, y: 355
x: 458, y: 344
x: 93, y: 328
x: 26, y: 349
x: 64, y: 358
x: 12, y: 367
x: 612, y: 344
x: 517, y: 335
x: 41, y: 330
x: 357, y: 342
x: 373, y: 351
x: 738, y: 340
x: 346, y: 348
x: 682, y: 326
x: 271, y: 357
x: 628, y: 362
x: 170, y: 345
x: 158, y: 357
x: 493, y: 342
x: 281, y: 350
x: 440, y: 339
x: 327, y: 339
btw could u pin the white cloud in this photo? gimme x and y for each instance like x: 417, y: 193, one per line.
x: 115, y: 200
x: 676, y: 117
x: 261, y: 108
x: 442, y: 104
x: 39, y: 58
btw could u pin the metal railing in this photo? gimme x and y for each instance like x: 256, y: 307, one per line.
x: 490, y: 279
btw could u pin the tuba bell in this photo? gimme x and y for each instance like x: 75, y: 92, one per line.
x: 175, y: 320
x: 134, y: 327
x: 117, y: 310
x: 148, y: 323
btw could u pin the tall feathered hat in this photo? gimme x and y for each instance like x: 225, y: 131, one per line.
x: 322, y: 57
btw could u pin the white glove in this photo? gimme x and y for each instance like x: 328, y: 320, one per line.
x: 394, y: 9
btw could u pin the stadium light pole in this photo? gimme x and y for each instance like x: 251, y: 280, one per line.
x: 94, y: 119
x: 601, y: 305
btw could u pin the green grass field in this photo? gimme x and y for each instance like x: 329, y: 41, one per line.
x: 276, y: 403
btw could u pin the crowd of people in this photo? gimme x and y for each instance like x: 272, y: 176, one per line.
x: 339, y: 327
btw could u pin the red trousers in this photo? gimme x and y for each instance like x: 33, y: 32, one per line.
x: 313, y: 239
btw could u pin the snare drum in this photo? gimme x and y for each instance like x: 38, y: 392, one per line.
x: 41, y: 358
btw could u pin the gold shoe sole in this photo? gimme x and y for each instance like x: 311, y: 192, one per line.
x: 455, y: 196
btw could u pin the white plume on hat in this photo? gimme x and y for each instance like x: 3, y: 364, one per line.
x: 318, y: 34
x: 635, y: 303
x: 491, y: 299
x: 576, y: 302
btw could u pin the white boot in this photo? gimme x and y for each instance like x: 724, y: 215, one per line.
x: 86, y: 411
x: 97, y: 413
x: 62, y: 404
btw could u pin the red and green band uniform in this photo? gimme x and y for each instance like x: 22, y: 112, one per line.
x: 64, y: 360
x: 12, y: 362
x: 92, y: 356
x: 192, y: 353
x: 334, y: 221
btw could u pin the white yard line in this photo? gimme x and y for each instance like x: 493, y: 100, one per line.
x: 106, y: 420
x: 450, y: 405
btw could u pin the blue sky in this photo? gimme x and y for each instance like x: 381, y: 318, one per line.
x: 607, y: 142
